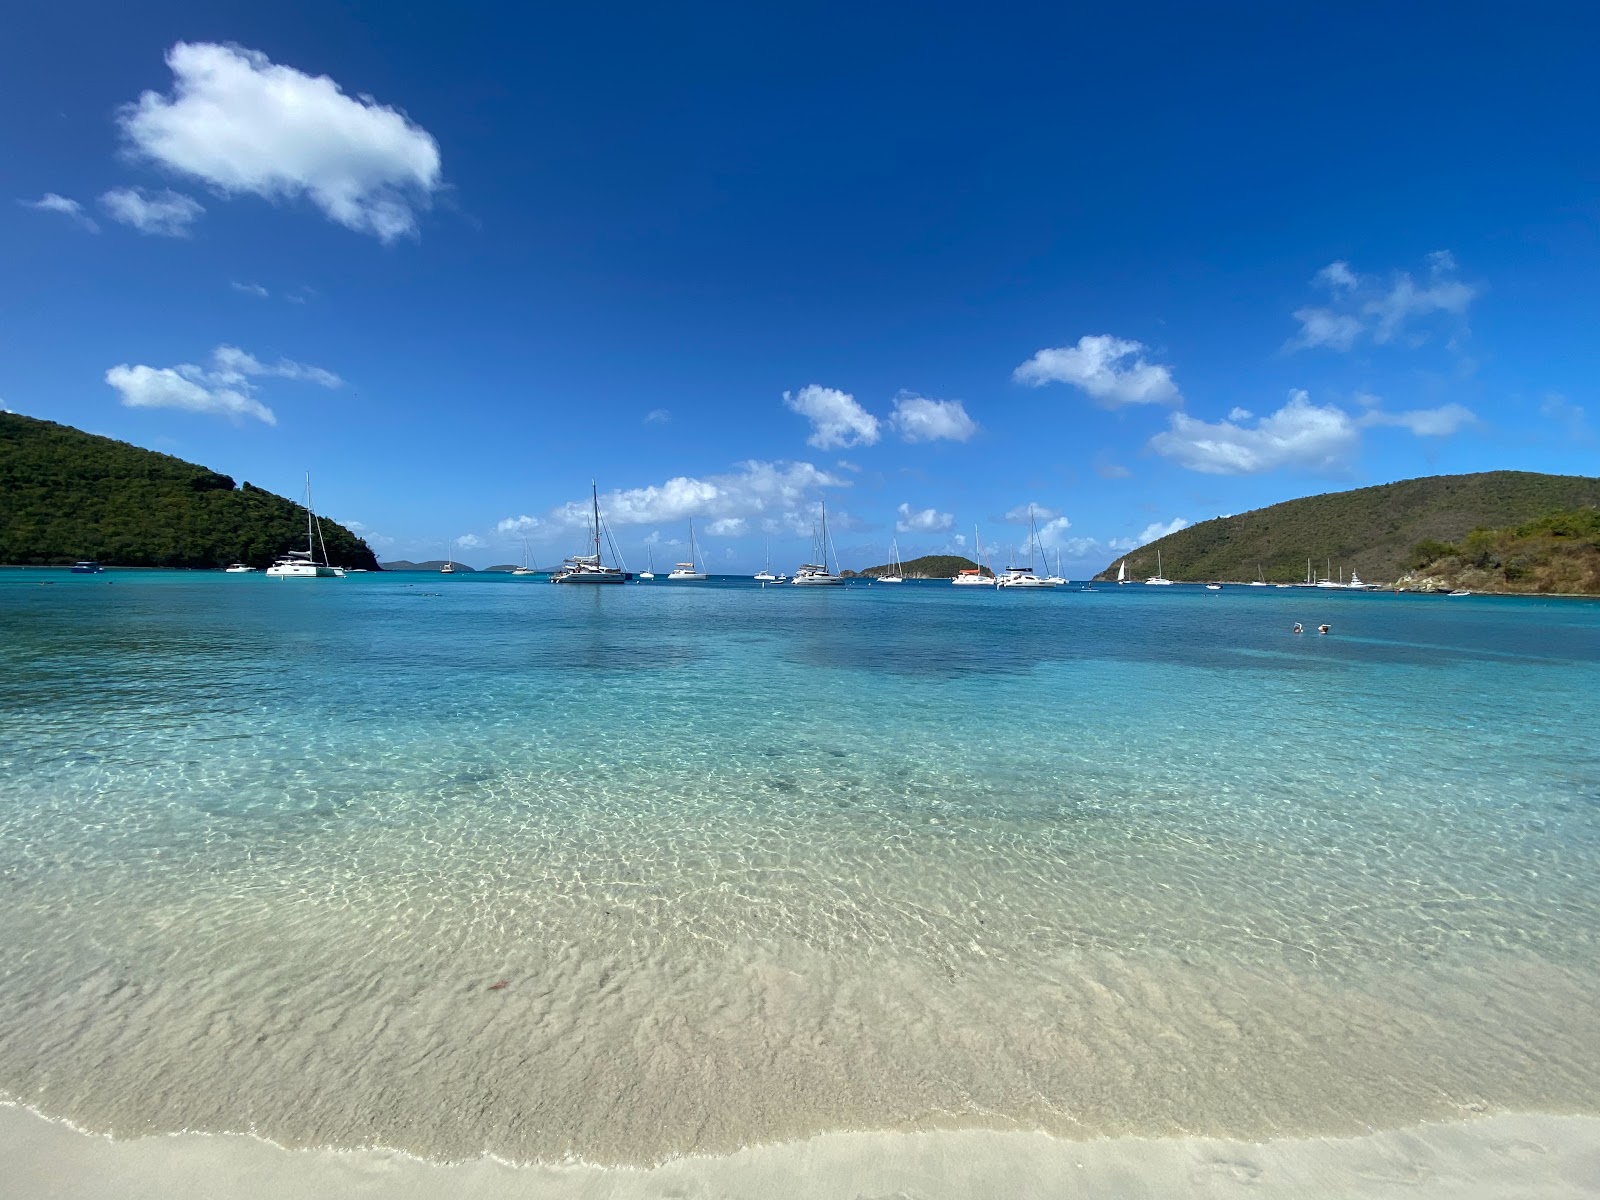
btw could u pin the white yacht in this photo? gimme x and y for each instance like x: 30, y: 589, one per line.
x: 897, y: 571
x: 688, y: 572
x: 303, y: 564
x: 650, y: 559
x: 765, y: 575
x: 974, y: 576
x: 590, y: 568
x: 1122, y: 572
x: 239, y: 569
x: 817, y: 574
x: 1260, y: 580
x: 1158, y: 579
x: 1024, y: 577
x: 524, y: 569
x: 1058, y: 579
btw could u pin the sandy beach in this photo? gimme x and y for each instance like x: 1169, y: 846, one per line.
x: 1499, y: 1157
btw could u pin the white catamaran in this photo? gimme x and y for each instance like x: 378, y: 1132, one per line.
x: 688, y: 572
x: 817, y: 574
x: 303, y: 564
x: 1158, y: 579
x: 524, y: 569
x: 589, y: 568
x: 1024, y: 577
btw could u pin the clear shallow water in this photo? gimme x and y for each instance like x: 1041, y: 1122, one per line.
x: 758, y: 864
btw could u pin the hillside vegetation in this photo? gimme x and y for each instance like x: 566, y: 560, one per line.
x: 66, y: 495
x: 1558, y: 552
x: 1373, y: 530
x: 433, y: 564
x: 929, y: 566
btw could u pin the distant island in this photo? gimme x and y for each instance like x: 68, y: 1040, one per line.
x: 1386, y: 533
x: 929, y: 566
x: 433, y: 564
x: 67, y: 495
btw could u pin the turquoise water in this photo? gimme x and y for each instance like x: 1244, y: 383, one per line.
x: 754, y: 864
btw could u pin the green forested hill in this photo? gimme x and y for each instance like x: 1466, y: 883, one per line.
x: 1559, y: 552
x: 66, y: 495
x: 1371, y: 530
x: 929, y: 566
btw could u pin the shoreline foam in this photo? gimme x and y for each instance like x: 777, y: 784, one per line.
x: 1506, y: 1155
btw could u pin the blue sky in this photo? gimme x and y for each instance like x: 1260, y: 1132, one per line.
x: 1134, y: 267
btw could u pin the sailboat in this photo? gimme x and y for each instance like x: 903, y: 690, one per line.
x: 589, y: 568
x: 1058, y: 579
x: 686, y: 572
x: 303, y: 564
x: 1024, y: 577
x: 1122, y: 572
x: 524, y: 569
x: 897, y: 571
x: 974, y: 576
x: 449, y: 567
x: 765, y: 575
x: 817, y: 574
x: 1158, y: 579
x: 1260, y: 579
x: 650, y: 559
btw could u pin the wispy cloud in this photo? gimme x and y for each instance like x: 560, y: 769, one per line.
x: 246, y: 125
x: 1383, y: 309
x: 1113, y: 372
x: 250, y: 289
x: 657, y: 416
x: 775, y: 495
x: 1424, y: 422
x: 226, y: 388
x: 71, y: 209
x: 162, y: 214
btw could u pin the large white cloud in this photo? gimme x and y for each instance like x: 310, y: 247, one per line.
x: 1303, y: 435
x: 165, y: 213
x: 925, y: 520
x: 837, y: 421
x: 71, y: 209
x: 518, y: 526
x: 1152, y: 532
x: 1112, y: 370
x: 1040, y: 512
x: 775, y: 495
x: 168, y: 387
x: 1380, y: 308
x: 244, y: 124
x: 226, y: 387
x: 919, y: 419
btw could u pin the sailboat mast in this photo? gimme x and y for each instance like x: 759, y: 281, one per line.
x: 310, y: 545
x: 594, y: 492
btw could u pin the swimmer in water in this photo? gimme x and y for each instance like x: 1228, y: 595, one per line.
x: 1297, y: 627
x: 1324, y: 628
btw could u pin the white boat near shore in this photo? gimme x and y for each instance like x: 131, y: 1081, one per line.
x: 303, y: 564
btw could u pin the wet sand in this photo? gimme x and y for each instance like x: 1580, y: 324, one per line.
x: 1501, y: 1157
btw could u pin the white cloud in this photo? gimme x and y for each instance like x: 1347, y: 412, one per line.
x: 1381, y: 309
x: 657, y: 416
x: 165, y: 213
x: 1155, y: 531
x: 1336, y: 277
x: 244, y: 124
x: 960, y: 539
x: 1425, y: 422
x: 225, y: 388
x: 1107, y: 469
x: 1041, y: 512
x: 727, y: 527
x: 1052, y: 534
x: 1571, y: 417
x: 837, y: 421
x: 164, y: 387
x: 844, y: 464
x: 926, y: 520
x: 50, y: 202
x: 1240, y: 414
x: 1301, y: 435
x: 470, y: 541
x: 250, y: 289
x: 918, y: 419
x: 757, y: 491
x: 519, y: 526
x: 1112, y: 370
